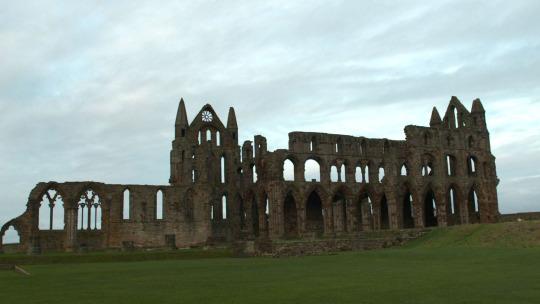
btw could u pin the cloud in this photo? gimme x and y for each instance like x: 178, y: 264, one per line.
x: 89, y: 91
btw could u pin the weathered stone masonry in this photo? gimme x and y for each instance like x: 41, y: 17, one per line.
x: 439, y: 175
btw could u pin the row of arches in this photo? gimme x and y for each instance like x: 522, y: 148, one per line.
x: 312, y: 169
x: 339, y: 146
x: 365, y: 214
x: 209, y: 135
x: 89, y: 210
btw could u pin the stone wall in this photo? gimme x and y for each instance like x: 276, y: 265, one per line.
x: 220, y: 191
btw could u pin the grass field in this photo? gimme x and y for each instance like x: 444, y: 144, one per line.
x: 470, y: 264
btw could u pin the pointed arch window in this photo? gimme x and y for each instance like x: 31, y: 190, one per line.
x: 90, y: 216
x: 51, y: 211
x: 126, y: 205
x: 159, y: 205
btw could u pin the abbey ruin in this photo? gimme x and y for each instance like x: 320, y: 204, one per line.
x: 219, y: 191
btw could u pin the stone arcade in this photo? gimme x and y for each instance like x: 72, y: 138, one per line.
x: 219, y: 192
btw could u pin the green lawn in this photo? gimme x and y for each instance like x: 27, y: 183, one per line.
x: 460, y: 265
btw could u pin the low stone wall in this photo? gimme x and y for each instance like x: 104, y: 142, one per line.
x: 516, y: 217
x: 285, y: 248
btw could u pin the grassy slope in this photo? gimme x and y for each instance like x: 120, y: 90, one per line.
x: 473, y: 264
x: 502, y: 235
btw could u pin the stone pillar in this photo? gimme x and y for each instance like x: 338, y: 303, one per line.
x: 328, y: 216
x: 442, y: 207
x: 299, y: 172
x: 392, y: 210
x: 71, y: 228
x: 276, y: 223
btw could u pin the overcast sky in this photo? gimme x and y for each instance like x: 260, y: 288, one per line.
x: 90, y: 91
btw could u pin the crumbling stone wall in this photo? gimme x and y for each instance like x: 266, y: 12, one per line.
x: 219, y: 191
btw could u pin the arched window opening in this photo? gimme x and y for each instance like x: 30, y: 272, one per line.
x: 404, y: 170
x: 340, y: 212
x: 474, y: 209
x: 366, y: 174
x: 455, y: 117
x: 212, y: 212
x: 90, y: 216
x: 266, y: 213
x: 208, y: 136
x: 51, y: 211
x: 200, y: 137
x: 224, y: 207
x: 453, y: 212
x: 312, y: 171
x: 254, y: 174
x: 125, y: 205
x: 452, y: 202
x: 314, y: 215
x: 290, y: 216
x: 451, y: 165
x: 243, y: 212
x: 255, y: 217
x: 11, y: 236
x: 223, y: 175
x: 193, y: 176
x: 311, y: 146
x: 364, y: 213
x: 358, y: 174
x: 384, y: 218
x: 218, y: 141
x: 159, y: 205
x: 334, y: 176
x: 408, y: 211
x: 472, y: 165
x: 430, y: 210
x: 288, y: 170
x: 381, y: 174
x: 427, y: 170
x: 343, y: 173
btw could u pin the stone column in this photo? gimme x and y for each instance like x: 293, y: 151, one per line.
x: 71, y: 228
x: 299, y: 172
x: 328, y: 216
x: 442, y: 207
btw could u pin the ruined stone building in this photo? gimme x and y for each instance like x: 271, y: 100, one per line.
x: 339, y: 186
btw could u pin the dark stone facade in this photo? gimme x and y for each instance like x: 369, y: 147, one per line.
x: 220, y: 192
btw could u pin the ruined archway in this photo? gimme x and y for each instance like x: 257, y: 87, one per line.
x: 339, y: 204
x: 314, y: 214
x: 11, y: 236
x: 364, y: 212
x: 430, y: 209
x: 255, y: 216
x: 383, y: 214
x: 473, y: 206
x: 407, y: 211
x: 290, y: 216
x: 453, y: 208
